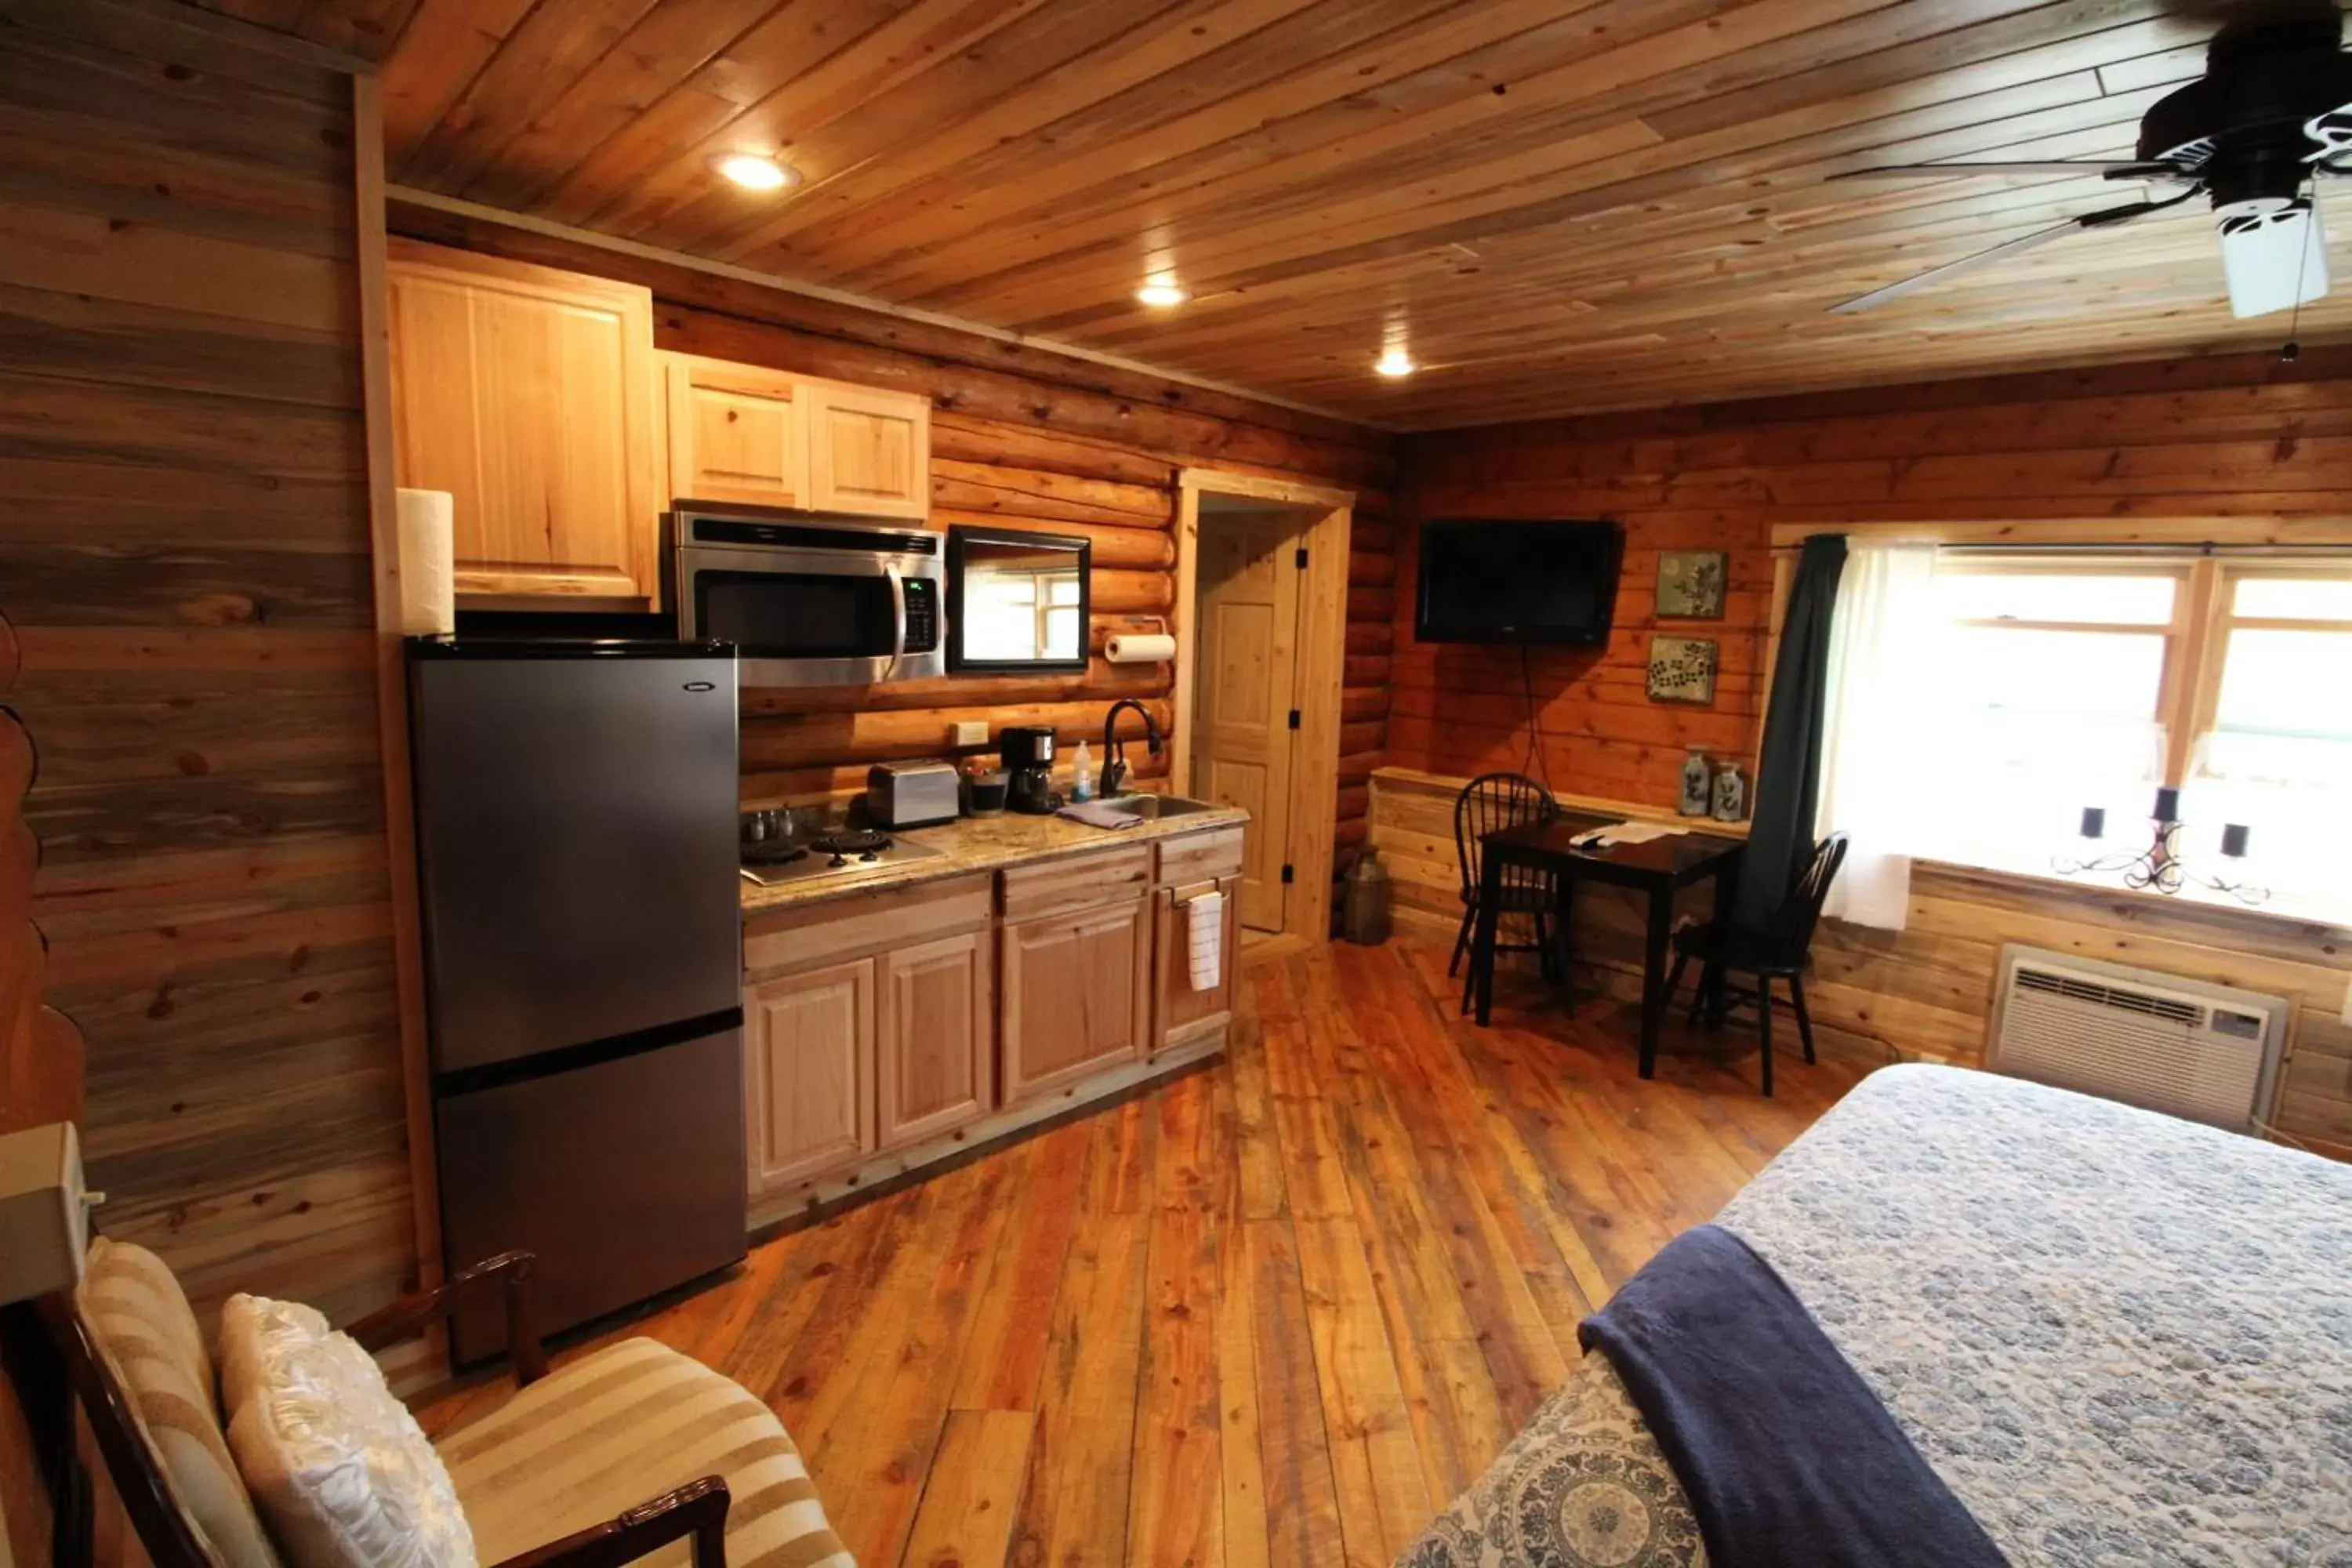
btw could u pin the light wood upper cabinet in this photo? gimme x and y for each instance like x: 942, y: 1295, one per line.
x: 528, y: 393
x: 1077, y: 994
x: 934, y: 1054
x: 737, y: 433
x: 808, y: 1064
x: 869, y: 452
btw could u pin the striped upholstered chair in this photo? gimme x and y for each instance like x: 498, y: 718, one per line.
x: 634, y: 1453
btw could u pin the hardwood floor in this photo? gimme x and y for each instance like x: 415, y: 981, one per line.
x: 1276, y: 1312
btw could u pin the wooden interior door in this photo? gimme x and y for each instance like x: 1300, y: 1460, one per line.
x: 808, y: 1055
x: 933, y: 1055
x: 1246, y: 689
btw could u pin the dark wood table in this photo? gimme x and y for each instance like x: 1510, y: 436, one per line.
x: 1657, y: 870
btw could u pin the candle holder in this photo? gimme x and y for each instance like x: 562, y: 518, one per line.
x: 2160, y: 866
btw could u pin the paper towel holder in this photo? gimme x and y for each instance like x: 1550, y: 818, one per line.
x: 1140, y: 639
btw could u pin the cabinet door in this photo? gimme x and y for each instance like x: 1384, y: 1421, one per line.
x: 528, y: 395
x: 1180, y: 1014
x: 869, y: 452
x: 1077, y: 994
x: 809, y: 1059
x: 737, y: 433
x: 933, y: 1055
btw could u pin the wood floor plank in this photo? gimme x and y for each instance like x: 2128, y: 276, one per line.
x: 1005, y: 1356
x: 1241, y: 1454
x: 1074, y: 1510
x: 1302, y: 1501
x: 975, y: 1484
x: 1269, y: 1315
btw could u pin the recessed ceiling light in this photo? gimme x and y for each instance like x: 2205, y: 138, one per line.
x: 1394, y: 363
x: 1161, y: 291
x: 754, y: 170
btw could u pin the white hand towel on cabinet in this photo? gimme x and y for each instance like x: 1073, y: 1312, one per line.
x: 1204, y: 930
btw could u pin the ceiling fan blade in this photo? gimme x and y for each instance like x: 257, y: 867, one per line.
x: 2112, y: 171
x: 2107, y: 219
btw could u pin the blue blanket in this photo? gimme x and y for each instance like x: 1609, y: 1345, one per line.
x: 1789, y: 1459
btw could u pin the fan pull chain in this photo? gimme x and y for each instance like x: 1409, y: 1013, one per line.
x: 2293, y: 350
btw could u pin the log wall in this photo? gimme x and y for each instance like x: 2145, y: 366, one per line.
x: 184, y: 560
x: 2244, y: 437
x: 1025, y: 438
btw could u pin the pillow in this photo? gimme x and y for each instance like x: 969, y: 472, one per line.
x: 139, y: 1319
x: 340, y: 1469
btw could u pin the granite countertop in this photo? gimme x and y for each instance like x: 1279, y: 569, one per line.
x: 983, y: 844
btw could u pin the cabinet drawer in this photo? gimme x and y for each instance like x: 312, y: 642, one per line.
x: 844, y: 927
x: 1199, y: 857
x: 1096, y: 878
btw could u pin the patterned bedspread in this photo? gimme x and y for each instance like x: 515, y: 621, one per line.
x: 2119, y: 1338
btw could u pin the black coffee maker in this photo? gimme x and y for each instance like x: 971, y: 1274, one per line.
x: 1027, y: 751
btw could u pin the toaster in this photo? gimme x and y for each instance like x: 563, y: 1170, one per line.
x: 911, y: 794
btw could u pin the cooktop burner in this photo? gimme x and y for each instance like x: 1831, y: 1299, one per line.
x: 840, y: 852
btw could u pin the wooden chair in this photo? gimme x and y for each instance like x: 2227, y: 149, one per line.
x: 1488, y: 804
x: 1782, y: 951
x: 696, y: 1512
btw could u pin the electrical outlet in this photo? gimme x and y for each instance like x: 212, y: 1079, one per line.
x: 971, y: 733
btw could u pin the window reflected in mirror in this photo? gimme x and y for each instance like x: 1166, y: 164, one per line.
x: 1016, y: 600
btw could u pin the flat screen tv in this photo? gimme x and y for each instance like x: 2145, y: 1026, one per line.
x: 1493, y: 582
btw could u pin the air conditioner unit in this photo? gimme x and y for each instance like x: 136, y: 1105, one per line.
x: 2208, y: 1053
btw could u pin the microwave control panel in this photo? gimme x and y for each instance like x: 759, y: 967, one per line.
x: 922, y: 615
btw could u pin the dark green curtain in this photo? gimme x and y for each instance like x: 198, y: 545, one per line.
x: 1789, y: 771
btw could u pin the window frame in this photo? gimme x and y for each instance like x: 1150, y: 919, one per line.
x: 2212, y: 555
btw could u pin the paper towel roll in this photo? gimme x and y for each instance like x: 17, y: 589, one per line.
x: 428, y: 591
x: 1145, y: 648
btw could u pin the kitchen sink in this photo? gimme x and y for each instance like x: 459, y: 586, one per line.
x: 1153, y: 807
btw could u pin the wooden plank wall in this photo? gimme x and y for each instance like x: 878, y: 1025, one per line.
x: 184, y: 555
x: 2237, y: 437
x: 2243, y: 437
x: 1024, y: 438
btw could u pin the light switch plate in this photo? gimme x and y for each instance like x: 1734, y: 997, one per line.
x: 971, y: 733
x: 2347, y: 1014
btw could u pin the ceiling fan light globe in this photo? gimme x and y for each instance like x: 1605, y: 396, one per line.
x: 2273, y: 255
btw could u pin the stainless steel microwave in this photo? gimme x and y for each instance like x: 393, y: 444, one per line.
x: 811, y: 600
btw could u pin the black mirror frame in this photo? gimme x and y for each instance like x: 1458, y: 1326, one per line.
x: 958, y: 536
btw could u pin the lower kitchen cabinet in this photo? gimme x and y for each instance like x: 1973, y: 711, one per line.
x: 1077, y: 995
x: 808, y: 1052
x: 1184, y: 1013
x: 933, y: 1049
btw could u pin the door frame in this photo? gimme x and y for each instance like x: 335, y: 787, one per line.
x: 1322, y: 650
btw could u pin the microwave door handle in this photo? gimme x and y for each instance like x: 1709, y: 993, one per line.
x: 898, y: 611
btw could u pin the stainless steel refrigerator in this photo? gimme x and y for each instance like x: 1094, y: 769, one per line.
x: 576, y: 845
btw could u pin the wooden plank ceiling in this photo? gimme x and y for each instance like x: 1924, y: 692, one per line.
x: 1563, y: 205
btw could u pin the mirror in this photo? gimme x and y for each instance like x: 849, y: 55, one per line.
x: 1016, y: 601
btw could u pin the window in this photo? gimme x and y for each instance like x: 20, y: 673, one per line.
x: 1021, y: 615
x: 2084, y: 683
x: 2274, y: 730
x: 2050, y: 683
x: 2053, y: 684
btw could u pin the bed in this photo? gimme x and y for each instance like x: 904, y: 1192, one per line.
x: 2116, y: 1337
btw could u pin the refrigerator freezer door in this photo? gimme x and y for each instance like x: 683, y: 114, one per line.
x: 576, y: 834
x: 626, y: 1178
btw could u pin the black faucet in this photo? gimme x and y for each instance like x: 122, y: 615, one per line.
x: 1114, y: 772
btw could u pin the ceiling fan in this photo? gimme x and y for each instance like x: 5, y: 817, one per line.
x: 2271, y: 114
